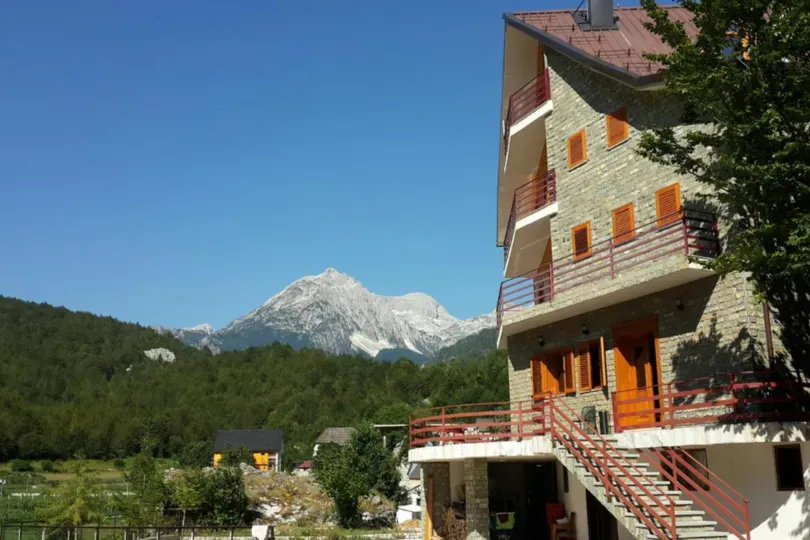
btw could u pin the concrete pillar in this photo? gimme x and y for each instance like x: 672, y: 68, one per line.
x: 477, y: 493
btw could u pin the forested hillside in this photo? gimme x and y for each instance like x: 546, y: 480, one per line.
x: 478, y: 344
x: 77, y: 383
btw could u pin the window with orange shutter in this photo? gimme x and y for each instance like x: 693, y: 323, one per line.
x: 583, y: 368
x: 668, y: 204
x: 569, y: 375
x: 581, y: 240
x: 624, y: 224
x: 577, y: 149
x: 617, y: 129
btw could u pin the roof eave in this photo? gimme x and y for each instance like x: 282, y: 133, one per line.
x: 639, y: 82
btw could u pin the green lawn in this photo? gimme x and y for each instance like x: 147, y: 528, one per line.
x: 105, y: 469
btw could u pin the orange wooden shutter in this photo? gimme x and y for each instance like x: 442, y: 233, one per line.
x: 577, y: 149
x: 668, y: 204
x: 581, y: 240
x: 624, y: 223
x: 603, y: 361
x: 568, y: 372
x: 584, y: 366
x: 537, y: 378
x: 617, y: 128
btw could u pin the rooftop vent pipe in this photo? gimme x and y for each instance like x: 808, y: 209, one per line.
x: 600, y: 14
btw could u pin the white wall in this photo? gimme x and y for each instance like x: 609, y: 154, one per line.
x: 750, y: 469
x: 574, y: 501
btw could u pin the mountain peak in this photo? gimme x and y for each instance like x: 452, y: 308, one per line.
x: 334, y: 312
x: 204, y: 327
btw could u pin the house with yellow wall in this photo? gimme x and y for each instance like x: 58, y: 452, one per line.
x: 265, y: 445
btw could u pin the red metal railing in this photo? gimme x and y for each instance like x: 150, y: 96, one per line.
x: 535, y: 194
x: 478, y: 422
x: 614, y: 470
x: 704, y: 488
x: 690, y: 232
x: 736, y: 397
x: 528, y: 98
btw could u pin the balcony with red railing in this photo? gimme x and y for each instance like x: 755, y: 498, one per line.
x: 475, y: 423
x: 653, y: 257
x: 527, y: 99
x: 754, y: 396
x: 536, y: 194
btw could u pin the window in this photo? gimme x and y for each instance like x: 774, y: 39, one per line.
x: 591, y: 364
x: 692, y: 473
x: 668, y: 204
x: 577, y: 149
x: 789, y: 468
x: 617, y: 128
x: 624, y: 224
x: 581, y: 240
x: 553, y: 373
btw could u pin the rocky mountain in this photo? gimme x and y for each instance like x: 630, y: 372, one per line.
x: 334, y: 312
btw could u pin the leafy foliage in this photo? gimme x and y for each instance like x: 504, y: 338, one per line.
x: 475, y: 345
x: 148, y: 492
x: 745, y: 85
x: 223, y: 499
x: 74, y: 382
x: 75, y: 501
x: 233, y: 457
x: 352, y: 471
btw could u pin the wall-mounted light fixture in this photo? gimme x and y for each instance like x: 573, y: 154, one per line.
x: 679, y: 304
x: 585, y: 330
x: 540, y: 341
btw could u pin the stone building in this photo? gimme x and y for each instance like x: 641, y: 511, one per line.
x: 644, y: 397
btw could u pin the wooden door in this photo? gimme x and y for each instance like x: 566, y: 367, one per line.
x: 635, y: 359
x: 428, y: 509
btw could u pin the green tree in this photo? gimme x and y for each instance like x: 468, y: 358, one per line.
x: 74, y: 501
x: 196, y: 454
x: 185, y: 492
x: 745, y: 86
x: 235, y: 456
x: 144, y: 507
x: 353, y: 471
x: 223, y: 499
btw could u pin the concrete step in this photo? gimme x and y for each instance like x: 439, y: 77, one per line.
x: 637, y: 471
x: 694, y: 535
x: 680, y: 514
x: 701, y: 526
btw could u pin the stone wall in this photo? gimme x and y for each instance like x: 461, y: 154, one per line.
x: 476, y: 481
x: 440, y: 473
x: 718, y: 331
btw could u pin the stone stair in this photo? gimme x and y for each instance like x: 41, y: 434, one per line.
x: 690, y: 523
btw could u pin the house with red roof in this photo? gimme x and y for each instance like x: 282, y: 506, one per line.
x: 643, y: 403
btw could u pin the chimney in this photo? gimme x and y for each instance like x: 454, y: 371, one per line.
x: 600, y: 14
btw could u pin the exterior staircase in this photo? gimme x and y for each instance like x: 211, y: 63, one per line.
x: 635, y: 490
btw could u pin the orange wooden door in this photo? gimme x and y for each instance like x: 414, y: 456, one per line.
x: 634, y: 357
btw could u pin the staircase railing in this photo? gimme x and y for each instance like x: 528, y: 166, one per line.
x: 604, y: 461
x: 717, y: 498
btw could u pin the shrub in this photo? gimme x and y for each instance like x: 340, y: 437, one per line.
x: 46, y: 465
x: 119, y: 464
x: 196, y: 454
x: 20, y: 465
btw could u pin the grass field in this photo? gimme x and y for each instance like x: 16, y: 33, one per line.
x: 105, y: 469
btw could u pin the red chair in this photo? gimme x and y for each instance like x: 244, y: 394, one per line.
x: 554, y: 511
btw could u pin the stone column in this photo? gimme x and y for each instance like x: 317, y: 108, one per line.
x: 436, y: 475
x: 476, y: 484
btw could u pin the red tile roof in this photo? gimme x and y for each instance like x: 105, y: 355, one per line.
x: 304, y: 465
x: 623, y: 48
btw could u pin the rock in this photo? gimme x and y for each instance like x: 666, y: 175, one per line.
x: 161, y: 354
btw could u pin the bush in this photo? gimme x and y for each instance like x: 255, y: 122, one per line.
x: 196, y: 454
x: 20, y: 465
x: 233, y: 457
x: 47, y: 465
x: 119, y: 464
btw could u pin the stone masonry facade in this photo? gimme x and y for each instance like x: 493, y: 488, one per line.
x: 440, y: 474
x: 476, y: 483
x: 721, y: 326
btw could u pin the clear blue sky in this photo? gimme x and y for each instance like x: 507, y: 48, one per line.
x: 177, y: 162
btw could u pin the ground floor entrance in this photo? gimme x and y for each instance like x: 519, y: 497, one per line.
x: 519, y: 498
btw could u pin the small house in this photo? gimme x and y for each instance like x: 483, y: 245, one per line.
x: 265, y: 445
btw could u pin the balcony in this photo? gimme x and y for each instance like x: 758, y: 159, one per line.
x: 533, y: 202
x: 755, y: 396
x: 526, y: 105
x: 653, y: 257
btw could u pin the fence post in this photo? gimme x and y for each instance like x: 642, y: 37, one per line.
x: 617, y: 428
x: 157, y: 529
x: 685, y: 234
x: 95, y: 533
x: 612, y: 268
x: 2, y: 532
x: 444, y: 429
x: 19, y: 532
x: 231, y: 535
x: 43, y: 533
x: 520, y: 420
x: 192, y: 532
x: 671, y: 400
